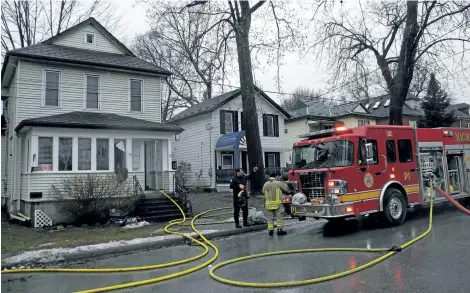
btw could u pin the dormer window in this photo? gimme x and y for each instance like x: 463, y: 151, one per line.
x: 89, y: 38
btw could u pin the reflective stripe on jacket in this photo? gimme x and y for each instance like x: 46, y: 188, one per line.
x: 272, y: 192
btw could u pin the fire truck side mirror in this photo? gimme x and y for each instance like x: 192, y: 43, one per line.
x: 369, y: 153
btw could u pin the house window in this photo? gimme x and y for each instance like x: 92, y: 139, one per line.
x: 228, y: 121
x: 391, y: 151
x: 102, y: 154
x: 363, y: 122
x: 45, y: 153
x: 227, y: 161
x: 65, y: 154
x: 119, y: 154
x: 272, y: 162
x: 52, y: 88
x: 270, y: 125
x: 90, y: 38
x: 136, y: 95
x: 136, y: 146
x: 84, y: 154
x: 412, y: 124
x: 405, y: 153
x: 92, y: 91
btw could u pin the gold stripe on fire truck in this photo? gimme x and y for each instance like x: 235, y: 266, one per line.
x: 373, y: 194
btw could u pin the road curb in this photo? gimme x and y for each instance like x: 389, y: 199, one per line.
x: 73, y: 256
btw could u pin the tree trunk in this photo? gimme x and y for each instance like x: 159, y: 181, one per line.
x: 255, y: 152
x: 400, y: 84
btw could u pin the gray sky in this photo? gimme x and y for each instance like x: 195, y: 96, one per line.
x: 298, y: 71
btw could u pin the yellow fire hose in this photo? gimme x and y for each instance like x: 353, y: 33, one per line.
x: 207, y: 243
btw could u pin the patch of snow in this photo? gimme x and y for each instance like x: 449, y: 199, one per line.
x: 58, y: 254
x: 136, y: 225
x: 47, y: 244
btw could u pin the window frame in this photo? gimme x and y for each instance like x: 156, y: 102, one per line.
x: 85, y: 91
x: 361, y: 144
x: 141, y: 95
x: 58, y: 153
x: 125, y: 151
x: 268, y: 116
x: 389, y: 160
x: 231, y: 121
x: 362, y: 122
x: 44, y: 88
x: 140, y: 144
x: 85, y: 38
x: 275, y: 125
x: 410, y: 151
x: 52, y: 153
x: 78, y: 154
x: 274, y: 160
x: 222, y: 161
x: 96, y: 154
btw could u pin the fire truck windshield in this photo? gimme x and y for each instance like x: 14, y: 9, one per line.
x: 304, y: 157
x: 336, y: 153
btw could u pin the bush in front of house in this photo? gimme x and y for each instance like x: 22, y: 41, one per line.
x: 88, y: 198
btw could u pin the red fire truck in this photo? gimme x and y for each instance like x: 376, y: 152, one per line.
x: 343, y: 173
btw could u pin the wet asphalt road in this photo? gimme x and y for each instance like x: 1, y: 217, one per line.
x: 438, y: 263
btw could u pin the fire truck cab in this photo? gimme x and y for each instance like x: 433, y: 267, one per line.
x: 343, y: 173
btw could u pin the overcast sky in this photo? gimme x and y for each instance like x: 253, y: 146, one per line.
x: 297, y: 71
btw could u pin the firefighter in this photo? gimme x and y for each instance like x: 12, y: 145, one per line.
x: 273, y: 190
x: 240, y: 178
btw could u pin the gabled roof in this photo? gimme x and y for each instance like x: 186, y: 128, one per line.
x: 383, y: 110
x: 49, y: 52
x: 319, y: 109
x: 213, y: 104
x: 72, y: 55
x: 91, y: 120
x: 91, y: 21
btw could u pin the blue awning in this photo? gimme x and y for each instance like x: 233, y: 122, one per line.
x: 230, y: 140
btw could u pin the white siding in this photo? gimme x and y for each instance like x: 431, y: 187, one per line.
x: 4, y: 160
x: 42, y: 182
x: 196, y: 147
x: 294, y: 129
x: 76, y: 39
x: 269, y: 144
x: 114, y: 93
x: 350, y: 122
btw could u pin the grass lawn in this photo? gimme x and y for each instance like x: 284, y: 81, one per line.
x: 16, y: 238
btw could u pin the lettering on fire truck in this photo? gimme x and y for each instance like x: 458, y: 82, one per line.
x: 462, y: 136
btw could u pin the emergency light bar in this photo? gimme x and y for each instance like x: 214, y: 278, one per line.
x: 323, y: 133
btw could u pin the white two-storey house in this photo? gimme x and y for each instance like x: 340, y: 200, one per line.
x: 81, y: 103
x: 214, y: 143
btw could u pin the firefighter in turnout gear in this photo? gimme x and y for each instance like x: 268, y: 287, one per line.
x: 273, y: 190
x: 240, y: 199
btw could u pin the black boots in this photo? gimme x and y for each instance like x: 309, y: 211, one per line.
x: 281, y: 232
x: 246, y: 225
x: 271, y: 233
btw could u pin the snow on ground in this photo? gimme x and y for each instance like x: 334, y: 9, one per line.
x: 136, y: 225
x: 57, y: 254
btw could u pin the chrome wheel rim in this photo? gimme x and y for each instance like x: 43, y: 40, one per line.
x: 395, y: 207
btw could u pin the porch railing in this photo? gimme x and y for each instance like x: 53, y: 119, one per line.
x: 139, y: 193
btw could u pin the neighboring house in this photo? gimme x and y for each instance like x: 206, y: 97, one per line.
x: 4, y: 159
x: 214, y: 138
x: 461, y: 114
x: 380, y: 108
x: 81, y: 103
x: 314, y: 115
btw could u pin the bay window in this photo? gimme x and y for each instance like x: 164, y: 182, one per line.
x: 119, y: 154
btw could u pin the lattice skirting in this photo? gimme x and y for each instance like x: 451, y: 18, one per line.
x: 41, y: 219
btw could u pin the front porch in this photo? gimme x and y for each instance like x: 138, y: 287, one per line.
x: 231, y: 153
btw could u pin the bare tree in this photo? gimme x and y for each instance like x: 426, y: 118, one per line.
x: 25, y: 23
x: 373, y: 34
x: 300, y: 93
x: 192, y: 44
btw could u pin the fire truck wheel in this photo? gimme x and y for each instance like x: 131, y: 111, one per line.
x: 394, y: 207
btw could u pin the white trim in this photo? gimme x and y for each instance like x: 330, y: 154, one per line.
x: 85, y: 41
x: 44, y: 85
x: 141, y: 95
x: 85, y: 91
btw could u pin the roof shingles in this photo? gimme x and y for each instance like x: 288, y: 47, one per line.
x: 90, y: 120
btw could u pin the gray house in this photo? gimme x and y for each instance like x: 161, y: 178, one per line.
x: 214, y: 138
x: 80, y: 103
